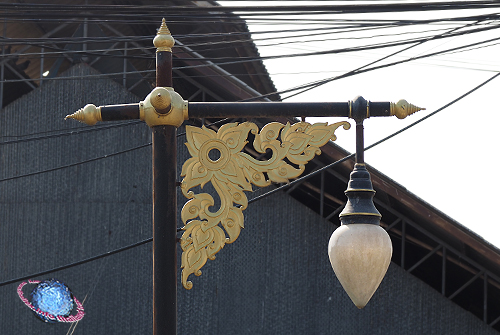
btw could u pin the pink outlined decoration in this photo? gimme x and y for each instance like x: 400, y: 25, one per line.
x: 46, y: 316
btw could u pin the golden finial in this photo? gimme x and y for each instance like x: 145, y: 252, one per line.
x: 89, y: 114
x: 403, y: 108
x: 163, y: 40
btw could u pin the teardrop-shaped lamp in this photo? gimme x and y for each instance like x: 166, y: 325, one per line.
x: 360, y: 250
x: 360, y: 255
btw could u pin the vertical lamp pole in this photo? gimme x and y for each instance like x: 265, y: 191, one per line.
x: 164, y: 143
x: 164, y: 111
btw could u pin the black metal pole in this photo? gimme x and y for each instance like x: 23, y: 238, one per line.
x: 269, y: 109
x: 164, y: 213
x: 360, y: 109
x: 360, y: 143
x: 164, y: 231
x: 255, y: 109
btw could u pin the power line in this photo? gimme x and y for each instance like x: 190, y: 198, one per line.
x: 5, y: 41
x: 76, y: 164
x: 262, y: 196
x: 104, y: 10
x: 96, y: 158
x: 383, y: 58
x: 318, y: 82
x: 62, y: 133
x: 254, y: 59
x: 60, y: 268
x: 307, y: 86
x: 326, y: 167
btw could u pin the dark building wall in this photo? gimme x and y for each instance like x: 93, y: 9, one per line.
x: 275, y: 279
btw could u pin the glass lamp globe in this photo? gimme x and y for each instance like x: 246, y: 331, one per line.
x: 360, y: 255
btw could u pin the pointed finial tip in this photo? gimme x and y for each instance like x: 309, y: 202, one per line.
x: 163, y: 40
x: 89, y: 114
x: 163, y: 28
x: 403, y: 108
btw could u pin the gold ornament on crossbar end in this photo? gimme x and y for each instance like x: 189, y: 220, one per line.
x: 403, y: 108
x: 89, y: 114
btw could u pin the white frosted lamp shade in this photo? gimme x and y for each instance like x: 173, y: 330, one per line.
x: 360, y: 255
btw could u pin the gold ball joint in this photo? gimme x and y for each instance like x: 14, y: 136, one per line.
x: 163, y: 106
x: 89, y: 114
x: 403, y: 108
x: 163, y: 40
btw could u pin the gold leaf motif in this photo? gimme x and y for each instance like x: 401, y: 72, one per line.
x: 234, y: 172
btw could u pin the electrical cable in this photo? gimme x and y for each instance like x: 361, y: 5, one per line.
x: 358, y: 48
x: 279, y: 10
x: 262, y: 196
x: 81, y: 40
x: 380, y: 59
x: 310, y: 87
x: 105, y: 52
x: 87, y: 260
x: 86, y: 77
x: 318, y: 171
x: 301, y: 43
x: 99, y: 10
x: 16, y: 141
x: 96, y: 158
x: 322, y: 52
x: 104, y: 263
x: 371, y: 69
x: 76, y: 164
x: 72, y: 132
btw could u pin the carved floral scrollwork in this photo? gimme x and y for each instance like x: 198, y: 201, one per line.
x: 233, y: 172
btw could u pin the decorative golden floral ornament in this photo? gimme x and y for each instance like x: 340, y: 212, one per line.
x: 233, y: 172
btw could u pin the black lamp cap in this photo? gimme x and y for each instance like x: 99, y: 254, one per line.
x: 359, y: 207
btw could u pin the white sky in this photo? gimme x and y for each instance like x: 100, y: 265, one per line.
x: 449, y: 160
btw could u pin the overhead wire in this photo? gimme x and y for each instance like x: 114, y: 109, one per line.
x: 103, y: 9
x: 131, y: 38
x: 352, y: 72
x: 76, y: 164
x: 87, y: 260
x: 96, y: 158
x: 315, y: 83
x: 64, y: 132
x: 360, y: 24
x: 249, y: 59
x: 105, y: 75
x: 251, y: 200
x: 121, y: 73
x: 262, y: 196
x: 115, y: 251
x: 328, y: 166
x: 229, y: 43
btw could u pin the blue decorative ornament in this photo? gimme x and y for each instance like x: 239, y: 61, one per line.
x: 53, y: 297
x: 52, y: 301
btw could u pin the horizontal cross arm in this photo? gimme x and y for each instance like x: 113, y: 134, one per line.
x: 286, y: 109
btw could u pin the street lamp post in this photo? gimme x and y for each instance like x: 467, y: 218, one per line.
x: 234, y: 172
